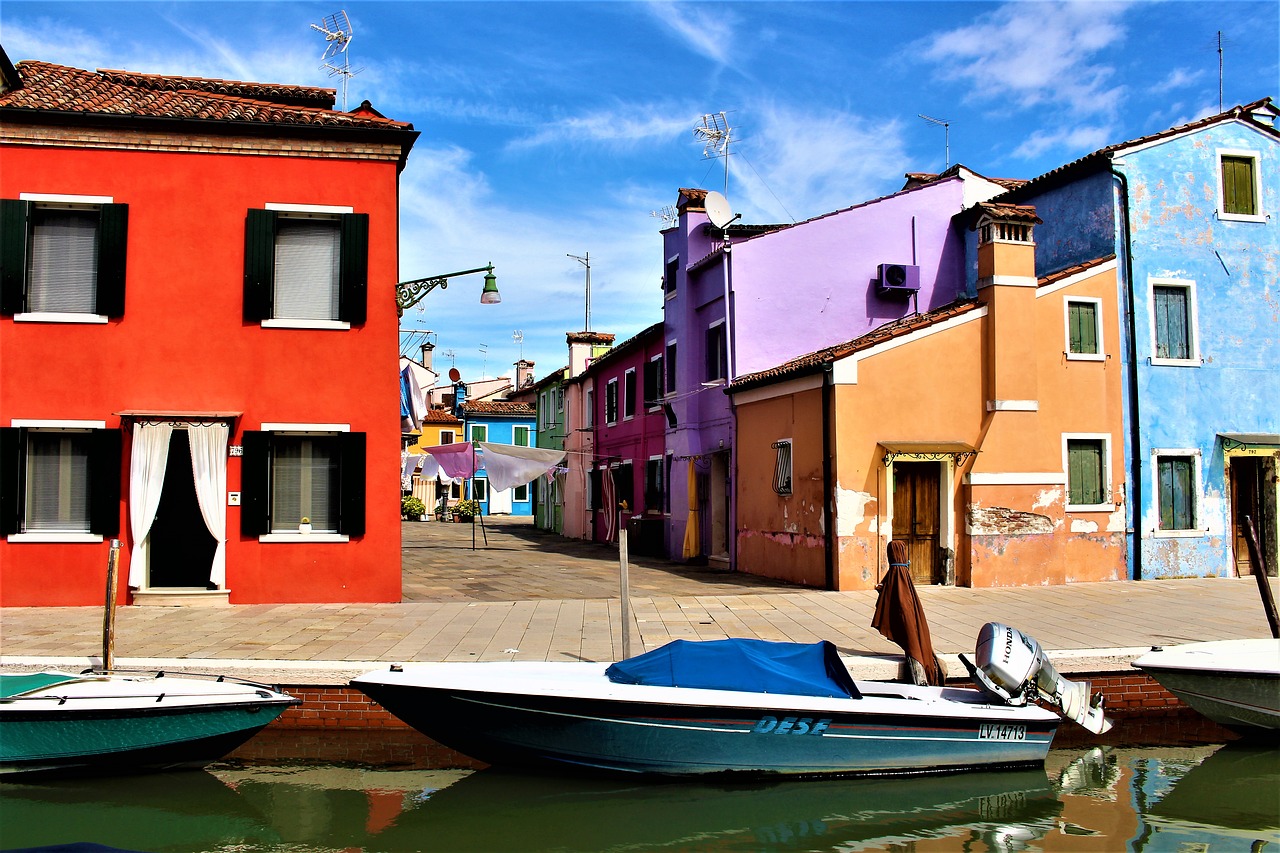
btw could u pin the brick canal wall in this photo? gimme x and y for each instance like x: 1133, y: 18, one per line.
x: 339, y: 724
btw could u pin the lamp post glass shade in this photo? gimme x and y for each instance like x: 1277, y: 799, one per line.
x: 410, y: 293
x: 490, y: 295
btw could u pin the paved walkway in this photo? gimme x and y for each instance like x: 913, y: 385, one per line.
x: 528, y: 595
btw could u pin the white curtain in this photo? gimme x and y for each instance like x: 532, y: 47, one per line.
x: 147, y: 460
x: 209, y: 467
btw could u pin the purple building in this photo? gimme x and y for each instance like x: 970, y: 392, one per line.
x: 790, y: 290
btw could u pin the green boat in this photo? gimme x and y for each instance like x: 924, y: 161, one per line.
x: 123, y: 722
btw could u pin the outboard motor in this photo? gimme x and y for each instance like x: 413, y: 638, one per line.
x: 1014, y: 667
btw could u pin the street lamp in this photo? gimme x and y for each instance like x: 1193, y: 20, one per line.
x: 410, y: 293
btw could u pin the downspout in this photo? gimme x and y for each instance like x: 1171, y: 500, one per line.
x: 1135, y: 432
x: 828, y: 486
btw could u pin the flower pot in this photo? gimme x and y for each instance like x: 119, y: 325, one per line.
x: 465, y: 519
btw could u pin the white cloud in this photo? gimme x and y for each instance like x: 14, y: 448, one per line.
x: 1073, y: 142
x: 625, y: 125
x: 706, y: 31
x: 1036, y: 54
x: 1178, y: 78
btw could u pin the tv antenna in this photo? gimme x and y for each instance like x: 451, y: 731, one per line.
x: 585, y: 260
x: 452, y: 355
x: 669, y: 215
x: 518, y: 337
x: 946, y: 126
x: 714, y: 132
x: 338, y: 33
x: 484, y: 365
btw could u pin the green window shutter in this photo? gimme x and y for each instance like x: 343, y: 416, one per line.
x: 1083, y: 321
x: 255, y: 483
x: 14, y: 216
x: 353, y: 278
x: 105, y: 454
x: 1084, y: 472
x: 259, y: 265
x: 351, y: 480
x: 1238, y: 185
x: 113, y: 238
x: 12, y: 442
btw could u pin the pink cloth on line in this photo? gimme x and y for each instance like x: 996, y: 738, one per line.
x: 458, y: 461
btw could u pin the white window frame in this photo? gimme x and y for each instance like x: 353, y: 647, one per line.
x: 528, y: 435
x: 1101, y: 354
x: 724, y: 368
x: 1197, y: 508
x: 617, y: 402
x: 471, y: 432
x: 629, y: 376
x: 1193, y: 321
x: 517, y: 491
x: 316, y: 211
x: 69, y: 202
x: 47, y: 425
x: 669, y: 368
x: 662, y: 381
x: 1256, y: 157
x: 660, y: 463
x: 589, y: 397
x: 297, y: 536
x: 1106, y: 505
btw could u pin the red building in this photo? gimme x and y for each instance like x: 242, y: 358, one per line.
x: 198, y: 340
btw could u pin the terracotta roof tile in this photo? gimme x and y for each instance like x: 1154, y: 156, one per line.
x: 498, y: 407
x: 589, y: 337
x: 57, y: 88
x: 1006, y: 211
x: 440, y: 416
x: 1072, y: 270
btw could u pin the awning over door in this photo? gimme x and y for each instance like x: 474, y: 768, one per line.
x: 931, y: 451
x: 1250, y: 440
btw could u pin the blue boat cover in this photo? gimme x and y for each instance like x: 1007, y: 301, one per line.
x: 755, y: 666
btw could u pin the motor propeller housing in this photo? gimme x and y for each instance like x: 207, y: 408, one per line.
x: 1014, y: 667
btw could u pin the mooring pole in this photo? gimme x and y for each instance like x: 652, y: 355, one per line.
x: 624, y: 584
x: 109, y: 616
x: 1260, y: 575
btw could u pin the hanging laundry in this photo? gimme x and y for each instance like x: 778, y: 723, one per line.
x: 508, y: 465
x: 456, y: 460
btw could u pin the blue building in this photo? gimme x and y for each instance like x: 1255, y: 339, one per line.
x: 500, y: 422
x: 1193, y: 216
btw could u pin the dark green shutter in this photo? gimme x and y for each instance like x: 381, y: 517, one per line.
x: 1237, y: 186
x: 105, y: 454
x: 14, y: 216
x: 259, y: 264
x: 113, y: 239
x: 12, y: 444
x: 353, y: 278
x: 351, y: 478
x: 255, y: 483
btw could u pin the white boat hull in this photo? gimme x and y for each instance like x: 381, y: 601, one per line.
x: 1235, y: 683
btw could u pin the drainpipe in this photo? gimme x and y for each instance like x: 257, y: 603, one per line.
x: 1135, y: 433
x: 828, y: 487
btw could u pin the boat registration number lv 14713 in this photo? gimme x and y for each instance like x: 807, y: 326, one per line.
x: 1001, y: 731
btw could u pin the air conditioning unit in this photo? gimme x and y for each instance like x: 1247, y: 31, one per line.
x: 898, y: 280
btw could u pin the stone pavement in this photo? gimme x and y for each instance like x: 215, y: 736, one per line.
x: 529, y: 595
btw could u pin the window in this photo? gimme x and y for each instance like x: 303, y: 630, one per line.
x: 595, y: 488
x: 520, y: 436
x: 653, y: 383
x: 655, y: 489
x: 307, y: 471
x: 478, y: 432
x: 1240, y: 186
x: 670, y: 364
x: 624, y: 486
x: 1087, y: 465
x: 480, y: 489
x: 59, y: 481
x: 520, y: 493
x: 1084, y: 329
x: 62, y: 259
x: 717, y: 353
x: 590, y: 397
x: 669, y: 276
x: 611, y: 402
x: 1173, y: 323
x: 1177, y: 483
x: 782, y: 467
x: 306, y: 268
x: 629, y: 394
x: 446, y: 436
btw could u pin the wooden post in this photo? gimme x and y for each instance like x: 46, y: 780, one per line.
x: 1260, y: 575
x: 624, y: 584
x: 109, y: 617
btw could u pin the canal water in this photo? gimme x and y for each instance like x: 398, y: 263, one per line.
x: 1196, y: 799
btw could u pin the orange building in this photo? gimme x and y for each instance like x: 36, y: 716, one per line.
x: 198, y: 340
x: 986, y: 434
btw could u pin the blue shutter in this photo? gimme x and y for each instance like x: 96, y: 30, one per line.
x: 1173, y: 333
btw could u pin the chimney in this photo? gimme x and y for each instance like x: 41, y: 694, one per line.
x: 1007, y: 285
x: 584, y: 346
x: 524, y: 374
x: 459, y: 397
x: 427, y: 349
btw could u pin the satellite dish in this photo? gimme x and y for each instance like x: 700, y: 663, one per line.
x: 454, y: 375
x: 718, y: 210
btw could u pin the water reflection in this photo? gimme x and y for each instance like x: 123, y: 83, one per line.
x: 1203, y: 798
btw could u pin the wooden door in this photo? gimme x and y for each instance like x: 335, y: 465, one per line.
x: 916, y: 518
x: 1246, y: 500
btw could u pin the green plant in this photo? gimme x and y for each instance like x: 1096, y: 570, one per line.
x: 467, y: 507
x: 409, y: 505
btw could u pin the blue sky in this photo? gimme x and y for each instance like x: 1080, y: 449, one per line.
x: 557, y: 128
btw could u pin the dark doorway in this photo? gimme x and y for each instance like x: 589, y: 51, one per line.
x: 181, y: 547
x: 1251, y: 477
x: 916, y: 519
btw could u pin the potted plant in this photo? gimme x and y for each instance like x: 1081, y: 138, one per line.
x: 412, y: 508
x: 467, y: 509
x: 305, y: 525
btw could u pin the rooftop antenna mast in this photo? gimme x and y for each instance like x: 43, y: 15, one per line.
x: 946, y: 126
x: 669, y: 215
x: 518, y: 337
x: 1219, y: 70
x: 586, y: 261
x: 714, y: 132
x: 338, y: 34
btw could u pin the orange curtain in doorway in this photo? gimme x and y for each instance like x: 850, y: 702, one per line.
x: 692, y: 538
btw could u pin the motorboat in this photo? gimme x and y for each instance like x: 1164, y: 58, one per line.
x: 118, y: 721
x: 738, y: 706
x: 1235, y: 683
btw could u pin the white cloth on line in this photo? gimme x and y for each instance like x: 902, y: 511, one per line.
x: 508, y: 465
